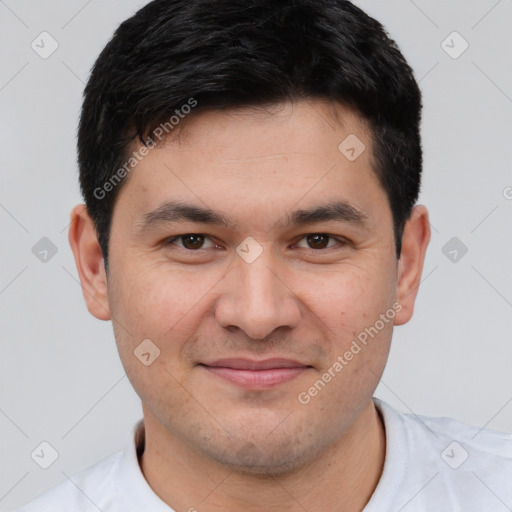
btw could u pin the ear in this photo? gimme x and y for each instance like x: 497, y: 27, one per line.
x: 410, y: 265
x: 89, y: 262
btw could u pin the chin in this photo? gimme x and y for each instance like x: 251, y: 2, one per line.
x: 264, y: 464
x: 263, y: 458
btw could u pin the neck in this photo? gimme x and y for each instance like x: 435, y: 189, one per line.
x: 346, y: 473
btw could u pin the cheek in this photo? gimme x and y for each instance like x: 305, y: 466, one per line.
x: 357, y: 338
x: 149, y: 307
x: 350, y: 298
x: 163, y: 305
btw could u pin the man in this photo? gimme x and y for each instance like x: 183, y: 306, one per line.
x: 250, y: 170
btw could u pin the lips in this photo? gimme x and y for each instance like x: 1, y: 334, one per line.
x: 250, y: 364
x: 253, y: 374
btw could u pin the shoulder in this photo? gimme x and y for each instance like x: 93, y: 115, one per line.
x: 84, y: 491
x: 479, y: 442
x: 452, y: 462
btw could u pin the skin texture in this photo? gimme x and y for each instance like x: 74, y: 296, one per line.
x: 211, y: 444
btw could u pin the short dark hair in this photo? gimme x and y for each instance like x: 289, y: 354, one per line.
x: 235, y: 53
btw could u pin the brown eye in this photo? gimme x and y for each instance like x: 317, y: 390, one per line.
x: 193, y: 241
x: 318, y: 241
x: 190, y: 241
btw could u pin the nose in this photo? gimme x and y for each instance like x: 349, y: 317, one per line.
x: 256, y: 298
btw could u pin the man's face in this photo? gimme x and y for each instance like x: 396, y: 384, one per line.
x: 305, y: 298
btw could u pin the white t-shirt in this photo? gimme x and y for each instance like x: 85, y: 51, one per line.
x: 431, y: 464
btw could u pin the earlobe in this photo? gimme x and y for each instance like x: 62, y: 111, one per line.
x: 415, y: 241
x: 89, y: 262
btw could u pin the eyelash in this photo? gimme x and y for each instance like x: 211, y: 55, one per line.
x: 341, y: 241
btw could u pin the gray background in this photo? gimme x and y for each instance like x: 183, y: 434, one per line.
x: 60, y: 378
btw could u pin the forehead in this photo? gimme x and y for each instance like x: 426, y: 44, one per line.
x: 256, y: 159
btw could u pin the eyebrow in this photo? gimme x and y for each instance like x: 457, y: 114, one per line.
x: 173, y: 212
